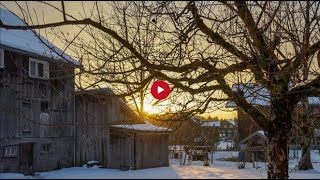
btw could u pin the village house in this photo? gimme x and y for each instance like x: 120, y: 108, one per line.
x: 259, y: 97
x: 46, y: 125
x: 229, y: 129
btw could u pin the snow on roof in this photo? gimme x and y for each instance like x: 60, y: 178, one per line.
x: 259, y: 133
x: 211, y: 124
x: 233, y: 122
x: 27, y: 40
x: 141, y: 127
x: 256, y: 94
x: 253, y: 93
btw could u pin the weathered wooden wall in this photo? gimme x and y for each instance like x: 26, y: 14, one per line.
x: 151, y: 150
x: 138, y: 150
x: 122, y: 150
x: 95, y: 111
x: 21, y: 119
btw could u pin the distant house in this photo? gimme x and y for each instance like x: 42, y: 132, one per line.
x: 255, y: 146
x: 229, y: 129
x: 209, y: 133
x: 258, y: 96
x: 36, y: 99
x: 110, y: 132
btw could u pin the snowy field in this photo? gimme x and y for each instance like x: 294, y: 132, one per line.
x: 218, y: 170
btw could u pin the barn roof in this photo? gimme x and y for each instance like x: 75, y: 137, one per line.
x: 142, y: 127
x: 28, y: 41
x: 102, y: 92
x: 256, y: 94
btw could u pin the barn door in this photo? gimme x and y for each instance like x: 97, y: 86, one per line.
x: 26, y: 158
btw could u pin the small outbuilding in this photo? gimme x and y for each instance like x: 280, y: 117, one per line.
x: 255, y: 146
x: 139, y: 146
x: 110, y: 132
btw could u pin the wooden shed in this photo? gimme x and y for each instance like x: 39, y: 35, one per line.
x: 139, y: 146
x: 109, y: 131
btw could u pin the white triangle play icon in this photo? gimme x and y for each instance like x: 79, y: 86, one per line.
x: 160, y: 89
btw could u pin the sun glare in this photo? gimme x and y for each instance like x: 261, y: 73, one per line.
x: 150, y: 109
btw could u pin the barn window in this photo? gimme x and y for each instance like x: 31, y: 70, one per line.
x: 10, y: 151
x: 46, y: 147
x: 26, y: 104
x: 44, y: 106
x: 38, y: 68
x: 1, y: 58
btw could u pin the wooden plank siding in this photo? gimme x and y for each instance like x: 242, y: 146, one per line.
x: 151, y: 150
x: 21, y: 119
x: 114, y: 148
x: 95, y: 112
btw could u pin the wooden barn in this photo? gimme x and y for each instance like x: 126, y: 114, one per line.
x: 36, y: 97
x: 109, y: 131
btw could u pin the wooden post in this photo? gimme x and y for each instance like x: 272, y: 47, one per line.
x: 253, y: 159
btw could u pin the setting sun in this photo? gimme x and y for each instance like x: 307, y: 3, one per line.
x: 151, y: 109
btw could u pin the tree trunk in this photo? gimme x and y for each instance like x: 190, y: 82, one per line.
x: 278, y: 156
x: 278, y: 135
x: 306, y: 131
x: 305, y: 161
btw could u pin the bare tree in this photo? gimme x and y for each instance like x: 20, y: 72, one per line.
x: 205, y: 47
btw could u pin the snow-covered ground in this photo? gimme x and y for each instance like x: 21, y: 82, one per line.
x: 99, y: 173
x: 228, y: 170
x: 224, y: 145
x: 219, y: 169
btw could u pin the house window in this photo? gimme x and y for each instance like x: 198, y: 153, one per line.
x: 10, y: 151
x: 26, y: 104
x: 225, y: 126
x: 44, y: 106
x: 1, y: 58
x: 38, y: 68
x: 230, y: 126
x: 45, y: 147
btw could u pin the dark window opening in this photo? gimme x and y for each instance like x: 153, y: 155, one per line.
x: 40, y: 70
x: 44, y: 106
x: 45, y: 147
x: 26, y: 104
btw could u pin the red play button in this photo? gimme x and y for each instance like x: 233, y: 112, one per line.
x: 160, y: 90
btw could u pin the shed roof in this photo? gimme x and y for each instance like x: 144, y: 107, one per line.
x: 142, y: 127
x: 27, y: 40
x: 233, y: 122
x: 257, y: 133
